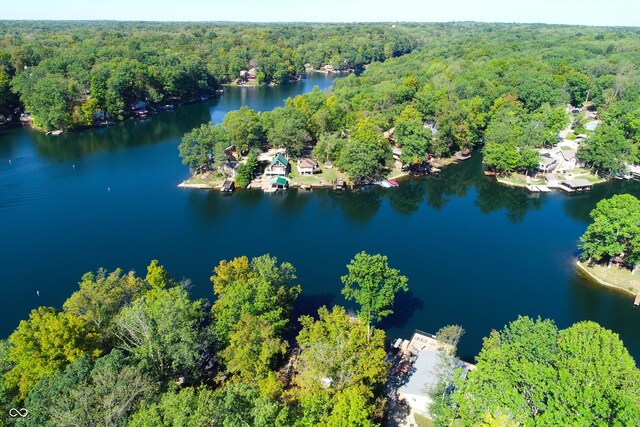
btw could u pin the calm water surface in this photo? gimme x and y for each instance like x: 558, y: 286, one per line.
x: 476, y: 254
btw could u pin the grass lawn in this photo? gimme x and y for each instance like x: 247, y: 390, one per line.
x: 422, y: 421
x: 584, y: 173
x: 324, y: 177
x: 520, y: 180
x: 208, y: 179
x: 616, y: 276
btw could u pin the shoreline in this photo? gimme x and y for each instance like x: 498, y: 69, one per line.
x: 603, y: 282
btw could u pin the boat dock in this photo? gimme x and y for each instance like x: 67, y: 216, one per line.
x: 636, y: 302
x: 228, y: 186
x: 539, y: 188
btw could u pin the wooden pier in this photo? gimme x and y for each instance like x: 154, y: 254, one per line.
x: 636, y: 302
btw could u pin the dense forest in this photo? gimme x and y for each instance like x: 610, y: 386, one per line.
x: 138, y: 351
x: 68, y: 73
x: 504, y: 88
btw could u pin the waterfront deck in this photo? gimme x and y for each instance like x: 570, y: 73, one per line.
x: 636, y: 302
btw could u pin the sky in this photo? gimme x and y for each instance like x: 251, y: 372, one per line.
x: 584, y: 12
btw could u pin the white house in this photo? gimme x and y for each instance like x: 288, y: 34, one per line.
x: 546, y: 163
x: 307, y: 166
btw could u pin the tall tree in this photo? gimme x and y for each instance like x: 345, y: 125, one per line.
x: 203, y: 147
x: 373, y: 285
x: 244, y: 128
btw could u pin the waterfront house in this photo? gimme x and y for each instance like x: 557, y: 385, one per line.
x: 569, y: 158
x: 279, y: 166
x: 546, y: 163
x: 427, y: 371
x: 307, y: 166
x: 229, y: 168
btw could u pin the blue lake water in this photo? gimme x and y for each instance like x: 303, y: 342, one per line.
x: 476, y: 253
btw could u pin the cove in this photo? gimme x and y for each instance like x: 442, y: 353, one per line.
x: 476, y: 253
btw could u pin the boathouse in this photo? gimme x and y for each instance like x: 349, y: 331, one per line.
x: 228, y: 186
x: 577, y: 184
x: 279, y: 166
x: 279, y: 183
x: 307, y: 166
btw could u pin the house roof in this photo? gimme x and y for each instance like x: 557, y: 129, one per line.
x: 426, y: 373
x: 306, y: 162
x: 568, y: 154
x: 546, y: 161
x: 280, y: 159
x: 280, y: 180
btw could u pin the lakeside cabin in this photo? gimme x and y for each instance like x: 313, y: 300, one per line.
x: 576, y: 185
x: 307, y: 166
x: 279, y: 166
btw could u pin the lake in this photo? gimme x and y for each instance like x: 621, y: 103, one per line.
x: 476, y: 253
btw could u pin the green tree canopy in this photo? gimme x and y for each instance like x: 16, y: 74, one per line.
x: 373, y: 285
x: 253, y: 348
x: 536, y: 375
x: 339, y: 366
x: 615, y: 229
x: 607, y: 150
x: 164, y: 332
x: 260, y: 288
x: 44, y: 344
x: 244, y: 127
x: 203, y: 147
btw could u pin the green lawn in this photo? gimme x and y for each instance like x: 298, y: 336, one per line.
x: 326, y: 176
x: 521, y: 180
x: 208, y: 179
x: 422, y: 421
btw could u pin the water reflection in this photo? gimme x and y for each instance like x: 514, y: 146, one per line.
x: 360, y: 205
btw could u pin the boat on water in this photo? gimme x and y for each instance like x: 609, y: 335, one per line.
x: 393, y: 183
x: 55, y: 132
